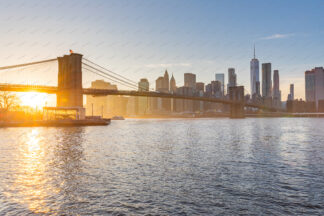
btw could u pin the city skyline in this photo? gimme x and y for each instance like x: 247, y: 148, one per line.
x: 141, y: 42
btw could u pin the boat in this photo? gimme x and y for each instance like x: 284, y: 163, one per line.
x: 118, y: 118
x: 56, y: 123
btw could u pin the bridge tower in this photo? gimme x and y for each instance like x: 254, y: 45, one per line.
x: 236, y: 94
x: 70, y: 81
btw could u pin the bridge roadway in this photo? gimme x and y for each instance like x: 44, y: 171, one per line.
x: 104, y: 92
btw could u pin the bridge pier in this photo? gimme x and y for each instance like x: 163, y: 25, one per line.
x: 70, y: 81
x: 236, y: 94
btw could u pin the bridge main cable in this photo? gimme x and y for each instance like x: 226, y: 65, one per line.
x: 27, y: 64
x: 109, y: 78
x: 115, y: 77
x: 103, y: 68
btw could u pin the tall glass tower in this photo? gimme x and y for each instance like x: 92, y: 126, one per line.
x: 254, y: 74
x: 266, y: 80
x: 221, y: 78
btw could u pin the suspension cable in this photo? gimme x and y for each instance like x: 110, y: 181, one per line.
x: 111, y: 79
x: 123, y: 82
x: 107, y: 74
x: 110, y: 71
x: 26, y: 64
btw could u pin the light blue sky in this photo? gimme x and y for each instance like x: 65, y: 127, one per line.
x: 143, y: 38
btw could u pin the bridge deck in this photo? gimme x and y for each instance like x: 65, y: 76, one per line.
x: 103, y: 92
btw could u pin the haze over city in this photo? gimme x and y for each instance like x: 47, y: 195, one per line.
x: 143, y: 38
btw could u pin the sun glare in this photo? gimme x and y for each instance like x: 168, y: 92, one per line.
x: 33, y: 99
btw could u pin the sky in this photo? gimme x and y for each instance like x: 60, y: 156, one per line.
x: 140, y: 39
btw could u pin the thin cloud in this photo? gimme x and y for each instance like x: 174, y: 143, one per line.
x: 168, y: 65
x: 276, y: 36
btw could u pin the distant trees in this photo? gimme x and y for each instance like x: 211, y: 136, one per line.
x: 8, y: 100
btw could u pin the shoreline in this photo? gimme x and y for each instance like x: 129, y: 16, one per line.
x: 56, y: 123
x: 105, y: 122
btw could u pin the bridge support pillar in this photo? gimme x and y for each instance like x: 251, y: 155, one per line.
x: 236, y: 94
x: 70, y: 81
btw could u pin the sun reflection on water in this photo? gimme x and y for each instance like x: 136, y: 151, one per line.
x: 30, y: 181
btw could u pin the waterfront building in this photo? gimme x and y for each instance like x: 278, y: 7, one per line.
x: 156, y: 103
x: 200, y: 90
x: 173, y: 90
x: 231, y: 78
x: 184, y: 106
x: 173, y: 86
x: 143, y: 102
x: 292, y: 91
x: 319, y: 88
x: 254, y: 74
x: 159, y: 84
x: 258, y: 88
x: 291, y: 96
x: 200, y: 87
x: 310, y: 86
x: 162, y: 105
x: 276, y: 93
x: 314, y: 81
x: 221, y: 78
x: 208, y: 91
x: 256, y: 98
x: 300, y: 106
x: 190, y: 80
x: 266, y: 80
x: 166, y: 84
x: 143, y: 85
x: 216, y: 87
x: 105, y: 106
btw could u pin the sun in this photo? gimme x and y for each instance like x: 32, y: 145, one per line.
x: 33, y: 99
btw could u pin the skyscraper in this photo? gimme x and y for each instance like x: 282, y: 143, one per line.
x: 276, y: 94
x: 105, y: 105
x: 216, y: 88
x: 266, y: 80
x: 254, y: 74
x: 173, y: 90
x: 275, y: 91
x: 173, y: 87
x: 200, y: 87
x: 292, y: 92
x: 166, y: 81
x: 159, y: 84
x: 231, y: 78
x: 190, y: 80
x: 257, y: 87
x: 319, y: 88
x: 142, y: 103
x: 143, y: 85
x: 162, y: 85
x: 310, y: 86
x: 208, y: 91
x: 221, y: 78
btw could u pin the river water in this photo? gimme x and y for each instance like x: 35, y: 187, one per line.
x: 253, y: 166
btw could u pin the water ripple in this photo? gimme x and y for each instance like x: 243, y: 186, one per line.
x: 165, y: 167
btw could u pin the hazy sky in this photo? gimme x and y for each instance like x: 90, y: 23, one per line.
x: 143, y: 38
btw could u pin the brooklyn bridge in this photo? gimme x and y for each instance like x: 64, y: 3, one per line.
x: 69, y: 91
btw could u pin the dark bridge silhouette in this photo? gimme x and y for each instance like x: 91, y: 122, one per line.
x: 69, y: 90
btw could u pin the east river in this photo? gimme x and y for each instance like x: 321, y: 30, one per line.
x: 252, y: 166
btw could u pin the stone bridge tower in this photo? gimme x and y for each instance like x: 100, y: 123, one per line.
x: 70, y: 81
